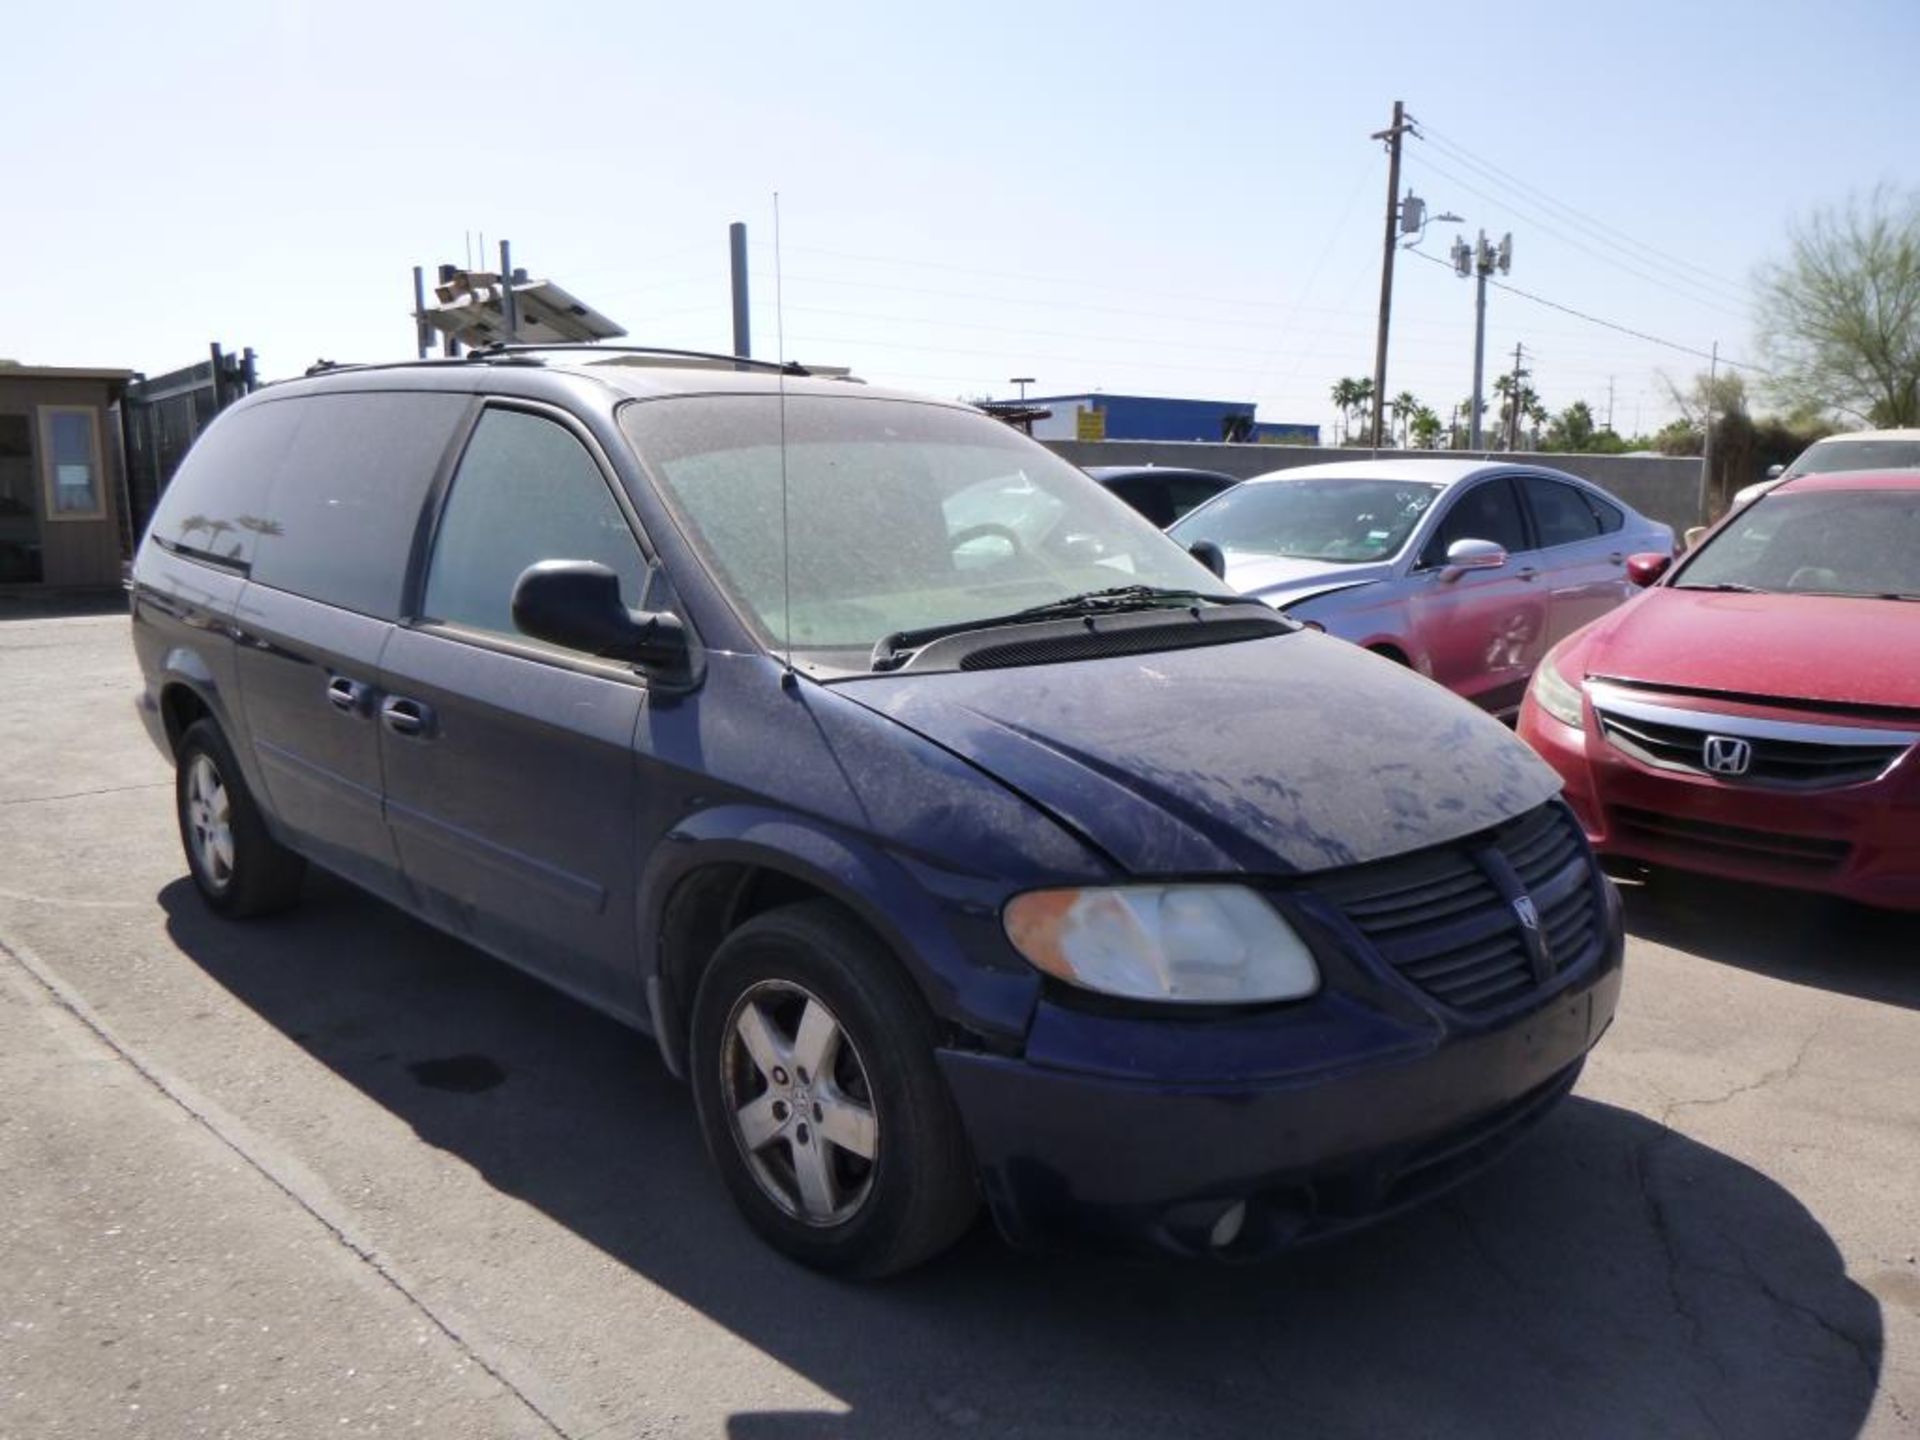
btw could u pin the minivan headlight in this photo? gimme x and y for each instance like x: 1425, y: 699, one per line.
x: 1189, y: 944
x: 1556, y: 695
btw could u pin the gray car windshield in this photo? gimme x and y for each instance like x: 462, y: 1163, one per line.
x: 1343, y: 522
x: 1831, y: 456
x: 898, y: 516
x: 1827, y: 542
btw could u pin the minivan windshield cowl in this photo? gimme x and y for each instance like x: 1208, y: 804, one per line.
x: 898, y: 518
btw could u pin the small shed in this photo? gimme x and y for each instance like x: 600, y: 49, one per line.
x: 62, y: 477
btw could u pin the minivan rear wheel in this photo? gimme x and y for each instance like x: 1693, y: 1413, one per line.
x: 814, y: 1074
x: 239, y: 867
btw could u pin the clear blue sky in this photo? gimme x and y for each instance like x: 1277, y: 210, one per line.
x: 1163, y: 199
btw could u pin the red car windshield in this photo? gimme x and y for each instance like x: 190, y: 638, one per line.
x: 1863, y: 543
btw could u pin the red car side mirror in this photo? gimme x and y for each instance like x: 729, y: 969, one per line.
x: 1643, y: 570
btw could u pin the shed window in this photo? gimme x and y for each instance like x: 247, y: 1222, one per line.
x: 73, y: 464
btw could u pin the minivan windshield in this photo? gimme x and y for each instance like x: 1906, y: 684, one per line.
x: 1825, y: 457
x: 1343, y: 522
x: 899, y: 516
x: 1862, y: 543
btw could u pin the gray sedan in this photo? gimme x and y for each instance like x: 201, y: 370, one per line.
x: 1467, y: 570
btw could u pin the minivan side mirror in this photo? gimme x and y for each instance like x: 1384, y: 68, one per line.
x: 1774, y: 472
x: 1465, y: 555
x: 576, y: 604
x: 1211, y: 556
x: 1643, y: 570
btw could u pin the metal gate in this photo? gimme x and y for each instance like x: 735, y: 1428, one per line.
x: 162, y: 416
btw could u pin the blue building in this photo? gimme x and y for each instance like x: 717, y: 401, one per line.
x: 1153, y: 417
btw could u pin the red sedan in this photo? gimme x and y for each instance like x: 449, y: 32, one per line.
x: 1756, y: 712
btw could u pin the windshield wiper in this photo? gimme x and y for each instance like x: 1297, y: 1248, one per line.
x: 1730, y: 587
x: 890, y: 652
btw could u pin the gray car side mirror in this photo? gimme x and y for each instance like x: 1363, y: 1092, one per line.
x: 1465, y: 555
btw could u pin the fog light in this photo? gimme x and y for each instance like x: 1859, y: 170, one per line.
x: 1227, y: 1228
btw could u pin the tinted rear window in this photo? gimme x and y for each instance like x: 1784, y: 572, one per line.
x: 216, y: 506
x: 319, y: 494
x: 347, y: 499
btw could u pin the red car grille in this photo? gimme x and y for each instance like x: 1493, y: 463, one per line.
x: 1791, y: 764
x: 1803, y: 853
x: 1745, y: 750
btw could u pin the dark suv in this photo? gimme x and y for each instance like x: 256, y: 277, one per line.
x: 940, y: 818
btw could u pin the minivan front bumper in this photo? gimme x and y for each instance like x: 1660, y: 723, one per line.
x: 1083, y: 1156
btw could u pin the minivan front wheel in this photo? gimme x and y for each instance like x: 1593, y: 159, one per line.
x: 239, y: 868
x: 820, y: 1099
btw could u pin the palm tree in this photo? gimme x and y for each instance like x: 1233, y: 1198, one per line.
x: 1346, y: 398
x: 1404, y: 406
x: 1425, y: 428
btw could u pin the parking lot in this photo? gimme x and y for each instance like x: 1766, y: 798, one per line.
x: 335, y: 1173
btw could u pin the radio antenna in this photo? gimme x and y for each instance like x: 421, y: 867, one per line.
x: 786, y: 537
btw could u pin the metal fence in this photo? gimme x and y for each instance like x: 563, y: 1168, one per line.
x: 160, y: 417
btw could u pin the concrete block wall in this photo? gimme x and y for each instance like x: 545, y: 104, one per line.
x: 1663, y: 487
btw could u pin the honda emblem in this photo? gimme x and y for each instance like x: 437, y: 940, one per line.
x: 1727, y: 755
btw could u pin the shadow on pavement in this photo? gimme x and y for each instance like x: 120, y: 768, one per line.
x: 1790, y: 935
x: 1610, y: 1278
x: 61, y: 604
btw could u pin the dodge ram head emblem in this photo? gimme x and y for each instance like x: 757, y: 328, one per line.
x: 1539, y: 946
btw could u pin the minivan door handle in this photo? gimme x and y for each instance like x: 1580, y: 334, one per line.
x: 1525, y: 572
x: 406, y: 717
x: 1617, y: 558
x: 348, y: 696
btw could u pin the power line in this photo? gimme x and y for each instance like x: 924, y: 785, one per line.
x: 1674, y: 285
x: 1596, y: 320
x: 1512, y: 181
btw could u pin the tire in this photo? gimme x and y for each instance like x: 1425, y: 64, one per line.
x: 239, y: 868
x: 766, y: 1001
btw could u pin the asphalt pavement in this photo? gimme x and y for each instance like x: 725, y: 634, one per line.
x: 335, y: 1174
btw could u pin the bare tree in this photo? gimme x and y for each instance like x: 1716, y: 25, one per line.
x: 1840, y: 316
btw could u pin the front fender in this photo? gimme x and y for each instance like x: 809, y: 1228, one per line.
x: 943, y: 925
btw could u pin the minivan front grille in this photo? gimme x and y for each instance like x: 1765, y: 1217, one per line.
x: 1454, y: 920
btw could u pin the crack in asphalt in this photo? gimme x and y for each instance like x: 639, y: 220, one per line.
x: 63, y: 996
x: 1678, y: 1262
x: 1770, y: 1077
x: 1490, y: 1256
x: 85, y: 794
x: 1656, y: 1213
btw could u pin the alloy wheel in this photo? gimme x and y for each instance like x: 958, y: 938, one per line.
x: 799, y: 1103
x: 210, y: 821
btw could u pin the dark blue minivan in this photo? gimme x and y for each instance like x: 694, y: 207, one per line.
x: 951, y: 829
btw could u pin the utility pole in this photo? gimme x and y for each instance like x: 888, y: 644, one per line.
x: 1513, y: 401
x: 1609, y: 402
x: 1392, y: 136
x: 422, y: 331
x: 1706, y: 442
x: 508, y: 304
x: 1480, y: 260
x: 742, y: 329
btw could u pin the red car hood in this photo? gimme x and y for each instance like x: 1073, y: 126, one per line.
x: 1807, y: 647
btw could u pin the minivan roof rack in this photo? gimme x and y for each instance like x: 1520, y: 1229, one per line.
x: 500, y: 350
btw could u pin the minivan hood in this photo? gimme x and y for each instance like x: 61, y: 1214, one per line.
x: 1284, y: 755
x: 1282, y: 581
x: 1795, y: 647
